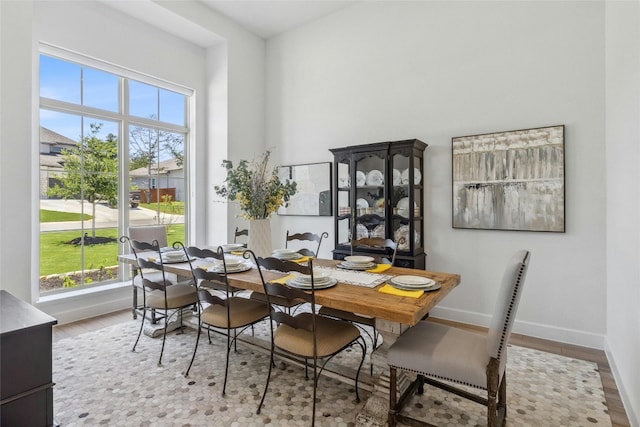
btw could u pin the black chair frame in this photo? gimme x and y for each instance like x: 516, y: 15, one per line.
x: 149, y: 285
x: 280, y: 317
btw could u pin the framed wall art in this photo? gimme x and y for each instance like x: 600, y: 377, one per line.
x: 313, y: 195
x: 510, y: 180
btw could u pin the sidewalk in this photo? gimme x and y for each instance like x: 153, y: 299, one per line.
x: 105, y: 217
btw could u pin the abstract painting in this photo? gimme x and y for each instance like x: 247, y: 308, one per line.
x: 511, y: 180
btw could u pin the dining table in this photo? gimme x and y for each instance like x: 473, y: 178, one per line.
x: 393, y: 314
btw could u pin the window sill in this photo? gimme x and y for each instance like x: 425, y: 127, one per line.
x: 83, y: 292
x: 81, y: 304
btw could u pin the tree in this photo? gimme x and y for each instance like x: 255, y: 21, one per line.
x: 91, y: 171
x: 145, y: 145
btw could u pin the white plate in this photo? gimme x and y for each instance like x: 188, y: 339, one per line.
x: 413, y: 281
x: 358, y: 259
x: 361, y: 179
x: 284, y: 251
x: 173, y: 254
x: 397, y: 177
x: 176, y: 261
x: 362, y: 203
x: 303, y: 282
x: 361, y: 231
x: 294, y: 284
x: 433, y: 287
x: 417, y: 176
x: 317, y: 275
x: 232, y: 247
x: 288, y: 257
x: 231, y: 263
x: 378, y: 231
x: 237, y: 269
x: 375, y: 177
x: 359, y: 267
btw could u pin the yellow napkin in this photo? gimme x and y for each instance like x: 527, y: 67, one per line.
x: 388, y: 289
x: 283, y: 280
x: 379, y: 268
x: 303, y: 259
x: 151, y: 259
x: 236, y: 252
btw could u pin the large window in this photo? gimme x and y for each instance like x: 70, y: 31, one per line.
x: 112, y: 155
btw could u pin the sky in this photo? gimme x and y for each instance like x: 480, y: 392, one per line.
x: 69, y: 82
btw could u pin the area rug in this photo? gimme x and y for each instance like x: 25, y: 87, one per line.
x: 99, y: 381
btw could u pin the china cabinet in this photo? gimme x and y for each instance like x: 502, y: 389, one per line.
x: 379, y: 193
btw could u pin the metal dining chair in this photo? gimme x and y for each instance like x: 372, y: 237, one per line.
x: 230, y: 313
x: 146, y: 233
x: 306, y: 335
x: 239, y: 233
x: 161, y: 295
x: 306, y: 237
x: 437, y: 352
x: 387, y: 249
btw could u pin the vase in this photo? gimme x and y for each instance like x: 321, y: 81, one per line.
x: 260, y: 237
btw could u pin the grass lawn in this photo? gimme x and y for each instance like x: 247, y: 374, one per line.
x: 57, y: 256
x: 57, y: 216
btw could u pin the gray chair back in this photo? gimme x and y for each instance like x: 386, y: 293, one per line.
x: 506, y: 306
x: 149, y: 233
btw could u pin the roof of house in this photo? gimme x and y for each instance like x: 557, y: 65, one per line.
x: 47, y: 136
x: 163, y: 167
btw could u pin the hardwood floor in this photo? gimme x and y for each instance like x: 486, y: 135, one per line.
x: 614, y: 403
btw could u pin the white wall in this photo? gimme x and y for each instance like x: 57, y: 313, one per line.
x: 434, y: 70
x: 623, y: 197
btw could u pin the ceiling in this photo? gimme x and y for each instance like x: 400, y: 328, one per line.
x: 267, y: 18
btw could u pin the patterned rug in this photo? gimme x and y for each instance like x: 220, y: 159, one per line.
x: 99, y: 381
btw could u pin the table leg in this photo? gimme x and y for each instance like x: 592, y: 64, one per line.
x: 376, y: 410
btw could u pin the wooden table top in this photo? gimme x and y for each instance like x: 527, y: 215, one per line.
x: 343, y: 296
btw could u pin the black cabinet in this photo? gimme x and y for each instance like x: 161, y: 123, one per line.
x: 26, y: 394
x: 379, y: 193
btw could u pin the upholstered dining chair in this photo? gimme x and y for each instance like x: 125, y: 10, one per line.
x: 239, y: 233
x: 231, y: 313
x: 146, y: 233
x: 437, y: 352
x: 306, y: 237
x: 306, y: 335
x: 161, y: 295
x: 388, y: 249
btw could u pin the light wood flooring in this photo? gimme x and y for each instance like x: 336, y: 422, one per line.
x: 614, y: 403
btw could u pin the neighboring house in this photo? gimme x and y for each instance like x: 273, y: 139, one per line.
x: 167, y: 176
x: 52, y: 145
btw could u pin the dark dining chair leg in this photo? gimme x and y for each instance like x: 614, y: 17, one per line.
x: 315, y: 387
x: 363, y: 346
x: 266, y: 386
x: 144, y: 314
x: 164, y: 336
x: 226, y: 367
x: 186, y: 374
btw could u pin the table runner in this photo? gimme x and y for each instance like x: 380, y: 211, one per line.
x: 358, y: 278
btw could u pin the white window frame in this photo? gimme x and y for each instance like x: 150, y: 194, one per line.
x: 125, y: 122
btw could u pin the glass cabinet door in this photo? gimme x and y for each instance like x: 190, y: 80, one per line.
x: 370, y: 195
x: 406, y: 201
x: 344, y: 202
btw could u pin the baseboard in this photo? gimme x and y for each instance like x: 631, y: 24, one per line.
x: 537, y: 330
x: 634, y: 417
x: 91, y: 303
